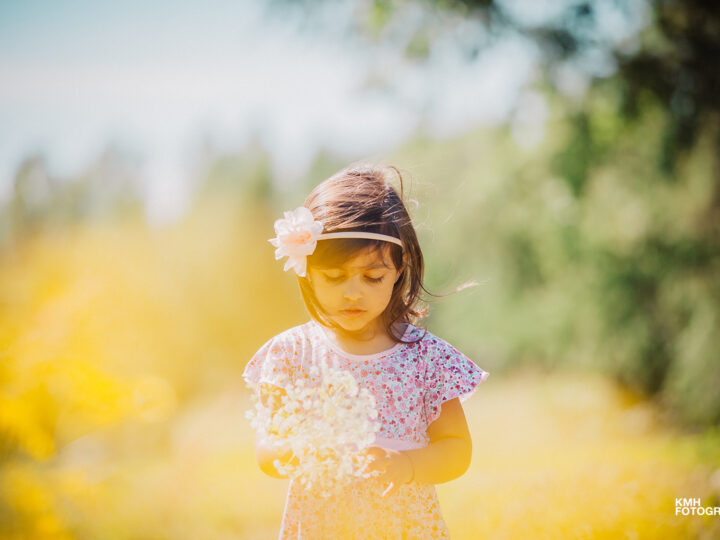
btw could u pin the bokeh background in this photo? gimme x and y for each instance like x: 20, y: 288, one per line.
x: 560, y: 157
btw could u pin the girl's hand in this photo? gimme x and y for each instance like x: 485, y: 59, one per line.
x: 395, y: 466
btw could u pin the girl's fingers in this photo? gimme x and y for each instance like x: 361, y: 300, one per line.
x: 376, y: 451
x: 374, y: 465
x: 377, y: 458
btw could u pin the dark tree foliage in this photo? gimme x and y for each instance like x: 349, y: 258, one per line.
x: 684, y: 73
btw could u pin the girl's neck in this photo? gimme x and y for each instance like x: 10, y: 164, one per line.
x: 371, y: 340
x: 374, y: 330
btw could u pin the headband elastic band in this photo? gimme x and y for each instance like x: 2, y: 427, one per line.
x: 297, y: 236
x: 359, y: 234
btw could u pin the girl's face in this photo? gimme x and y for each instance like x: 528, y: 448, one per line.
x: 355, y: 294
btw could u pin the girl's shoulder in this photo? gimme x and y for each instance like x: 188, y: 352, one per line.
x: 429, y: 344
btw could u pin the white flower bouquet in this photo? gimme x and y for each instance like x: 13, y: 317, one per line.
x: 325, y: 427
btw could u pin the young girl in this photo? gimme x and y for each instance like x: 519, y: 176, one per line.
x: 360, y: 270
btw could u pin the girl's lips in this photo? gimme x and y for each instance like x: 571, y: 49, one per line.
x: 353, y: 312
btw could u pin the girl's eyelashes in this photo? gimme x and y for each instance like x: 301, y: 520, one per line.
x: 335, y: 279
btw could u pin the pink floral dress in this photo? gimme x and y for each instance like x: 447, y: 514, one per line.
x: 409, y: 382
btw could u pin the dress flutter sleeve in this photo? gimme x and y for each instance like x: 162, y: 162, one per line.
x: 269, y: 365
x: 450, y: 374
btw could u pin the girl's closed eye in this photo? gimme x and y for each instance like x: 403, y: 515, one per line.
x: 338, y: 278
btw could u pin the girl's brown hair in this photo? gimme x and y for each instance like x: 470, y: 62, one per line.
x: 360, y: 198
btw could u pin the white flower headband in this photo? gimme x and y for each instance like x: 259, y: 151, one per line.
x: 297, y: 237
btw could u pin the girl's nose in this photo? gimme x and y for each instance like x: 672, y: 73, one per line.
x: 352, y: 294
x: 352, y: 291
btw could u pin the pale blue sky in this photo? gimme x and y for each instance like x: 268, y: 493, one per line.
x: 157, y: 76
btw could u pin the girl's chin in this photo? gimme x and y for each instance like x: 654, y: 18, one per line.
x: 354, y: 324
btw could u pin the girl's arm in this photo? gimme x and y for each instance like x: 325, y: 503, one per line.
x: 446, y: 457
x: 450, y: 450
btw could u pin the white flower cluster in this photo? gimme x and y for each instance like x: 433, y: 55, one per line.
x: 325, y: 427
